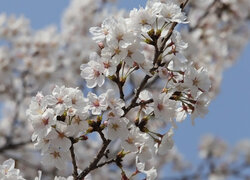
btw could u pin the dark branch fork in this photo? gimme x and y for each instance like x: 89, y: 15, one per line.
x: 94, y: 164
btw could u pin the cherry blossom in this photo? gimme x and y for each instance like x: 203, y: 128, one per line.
x: 140, y: 73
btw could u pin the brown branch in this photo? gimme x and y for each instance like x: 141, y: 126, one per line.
x: 73, y: 157
x: 13, y: 146
x: 119, y: 82
x: 93, y: 165
x: 138, y: 90
x: 106, y: 162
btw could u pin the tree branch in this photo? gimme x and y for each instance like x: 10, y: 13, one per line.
x: 13, y: 146
x: 106, y: 162
x: 138, y: 90
x: 118, y: 81
x: 73, y: 157
x: 93, y: 165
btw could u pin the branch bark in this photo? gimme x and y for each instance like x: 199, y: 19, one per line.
x: 73, y: 157
x: 94, y: 164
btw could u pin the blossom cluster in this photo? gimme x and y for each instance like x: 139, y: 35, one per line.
x: 218, y: 32
x: 34, y: 60
x: 56, y: 118
x: 168, y: 74
x: 8, y: 171
x: 63, y: 114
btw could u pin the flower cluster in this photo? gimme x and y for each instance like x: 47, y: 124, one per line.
x: 8, y: 171
x: 55, y: 119
x: 142, y: 75
x: 217, y: 33
x: 122, y: 42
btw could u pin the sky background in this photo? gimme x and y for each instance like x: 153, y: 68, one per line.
x: 228, y: 116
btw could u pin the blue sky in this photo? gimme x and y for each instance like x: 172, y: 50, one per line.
x: 228, y: 117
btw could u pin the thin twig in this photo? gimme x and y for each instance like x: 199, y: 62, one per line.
x: 73, y: 157
x: 106, y: 162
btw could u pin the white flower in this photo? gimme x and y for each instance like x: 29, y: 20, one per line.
x: 120, y: 34
x: 133, y: 140
x: 196, y: 80
x: 141, y: 19
x: 100, y: 33
x: 8, y: 171
x: 109, y: 65
x: 180, y: 45
x: 145, y: 152
x: 76, y: 99
x: 92, y: 72
x: 134, y: 55
x: 117, y: 112
x: 166, y: 142
x: 201, y: 106
x: 42, y: 143
x: 175, y: 47
x: 55, y: 157
x: 58, y: 98
x: 59, y: 136
x: 145, y: 95
x: 169, y: 11
x: 42, y: 124
x: 164, y: 108
x: 117, y: 128
x: 151, y: 173
x: 146, y: 148
x: 112, y: 101
x: 181, y: 114
x: 145, y: 66
x: 163, y: 73
x: 115, y: 51
x: 97, y: 104
x: 78, y: 123
x: 37, y: 106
